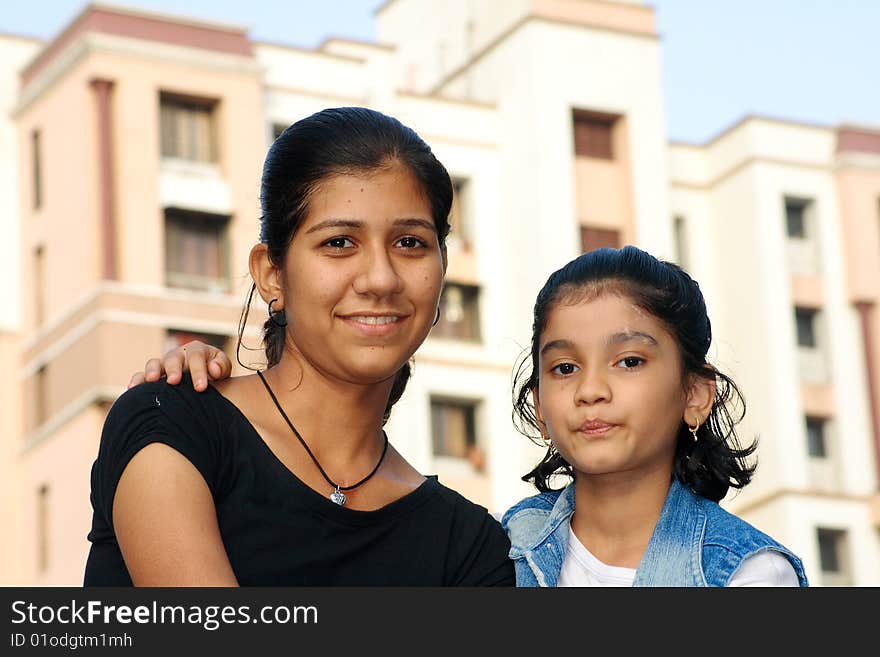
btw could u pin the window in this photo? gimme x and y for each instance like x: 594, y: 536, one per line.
x: 805, y: 318
x: 43, y: 528
x: 177, y: 338
x: 458, y: 216
x: 681, y: 245
x: 593, y: 134
x: 804, y: 249
x: 453, y: 430
x: 39, y: 285
x: 795, y: 217
x: 187, y: 128
x: 41, y: 398
x: 459, y: 313
x: 816, y: 446
x: 196, y: 250
x: 833, y: 557
x: 36, y: 154
x: 813, y: 366
x: 597, y: 238
x: 277, y: 129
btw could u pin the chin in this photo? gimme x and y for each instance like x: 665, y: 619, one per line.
x: 365, y: 374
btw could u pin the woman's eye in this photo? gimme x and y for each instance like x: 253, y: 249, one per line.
x: 410, y: 242
x: 565, y: 369
x: 339, y: 243
x: 630, y: 362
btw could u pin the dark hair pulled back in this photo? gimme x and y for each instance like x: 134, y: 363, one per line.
x: 335, y: 141
x: 713, y: 464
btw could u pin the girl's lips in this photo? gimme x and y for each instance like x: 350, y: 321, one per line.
x: 595, y: 427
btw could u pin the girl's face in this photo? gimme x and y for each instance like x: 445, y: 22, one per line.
x: 363, y: 275
x: 610, y: 392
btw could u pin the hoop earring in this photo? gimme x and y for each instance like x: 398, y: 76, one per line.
x: 693, y: 430
x: 273, y: 314
x: 437, y: 318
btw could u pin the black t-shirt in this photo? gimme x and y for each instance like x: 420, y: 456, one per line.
x: 277, y: 531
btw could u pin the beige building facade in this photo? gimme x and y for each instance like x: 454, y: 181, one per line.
x: 766, y: 219
x: 133, y: 144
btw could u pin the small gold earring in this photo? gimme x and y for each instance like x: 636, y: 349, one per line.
x: 693, y: 430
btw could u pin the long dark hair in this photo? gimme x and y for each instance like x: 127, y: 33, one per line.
x: 342, y: 140
x: 716, y: 461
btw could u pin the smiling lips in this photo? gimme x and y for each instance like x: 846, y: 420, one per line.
x: 374, y: 323
x: 595, y: 427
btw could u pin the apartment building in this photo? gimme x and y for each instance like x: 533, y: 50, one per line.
x: 770, y: 217
x: 139, y: 141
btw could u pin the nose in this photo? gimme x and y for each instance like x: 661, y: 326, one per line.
x: 378, y: 276
x: 592, y: 388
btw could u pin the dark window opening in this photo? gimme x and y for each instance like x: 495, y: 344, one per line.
x: 37, y: 155
x: 188, y: 128
x: 594, y: 134
x: 816, y: 446
x: 796, y: 218
x: 196, y: 250
x: 597, y: 238
x: 805, y: 318
x: 459, y: 313
x: 831, y: 546
x: 454, y: 432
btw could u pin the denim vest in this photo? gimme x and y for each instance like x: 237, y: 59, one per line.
x: 695, y: 542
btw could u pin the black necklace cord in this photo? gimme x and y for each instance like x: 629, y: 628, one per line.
x: 309, y: 452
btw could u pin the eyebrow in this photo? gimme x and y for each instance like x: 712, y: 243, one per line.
x: 355, y: 224
x: 616, y: 339
x: 631, y: 336
x: 556, y: 344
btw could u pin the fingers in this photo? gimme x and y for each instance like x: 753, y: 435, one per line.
x: 198, y: 368
x: 173, y: 363
x: 153, y: 370
x: 203, y: 361
x: 219, y: 367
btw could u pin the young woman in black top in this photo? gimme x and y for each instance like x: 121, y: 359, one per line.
x: 286, y: 476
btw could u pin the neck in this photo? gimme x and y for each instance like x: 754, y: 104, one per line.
x: 341, y: 422
x: 615, y: 514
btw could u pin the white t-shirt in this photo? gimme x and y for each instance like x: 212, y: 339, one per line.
x: 581, y: 568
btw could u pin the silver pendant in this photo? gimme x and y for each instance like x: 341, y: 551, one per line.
x: 337, y: 497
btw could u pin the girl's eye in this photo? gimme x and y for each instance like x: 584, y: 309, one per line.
x: 339, y: 243
x: 565, y: 369
x: 630, y: 362
x: 410, y: 242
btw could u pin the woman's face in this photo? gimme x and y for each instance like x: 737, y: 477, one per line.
x: 363, y: 274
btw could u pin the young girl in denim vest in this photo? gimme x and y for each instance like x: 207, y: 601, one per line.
x: 619, y: 390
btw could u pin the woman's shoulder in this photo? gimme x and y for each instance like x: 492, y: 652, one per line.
x: 478, y: 546
x: 163, y: 398
x: 454, y: 500
x: 467, y: 516
x: 193, y: 423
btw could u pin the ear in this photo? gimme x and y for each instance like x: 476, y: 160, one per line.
x: 700, y: 397
x: 266, y: 276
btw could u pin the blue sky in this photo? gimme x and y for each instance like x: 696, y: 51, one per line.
x: 805, y: 60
